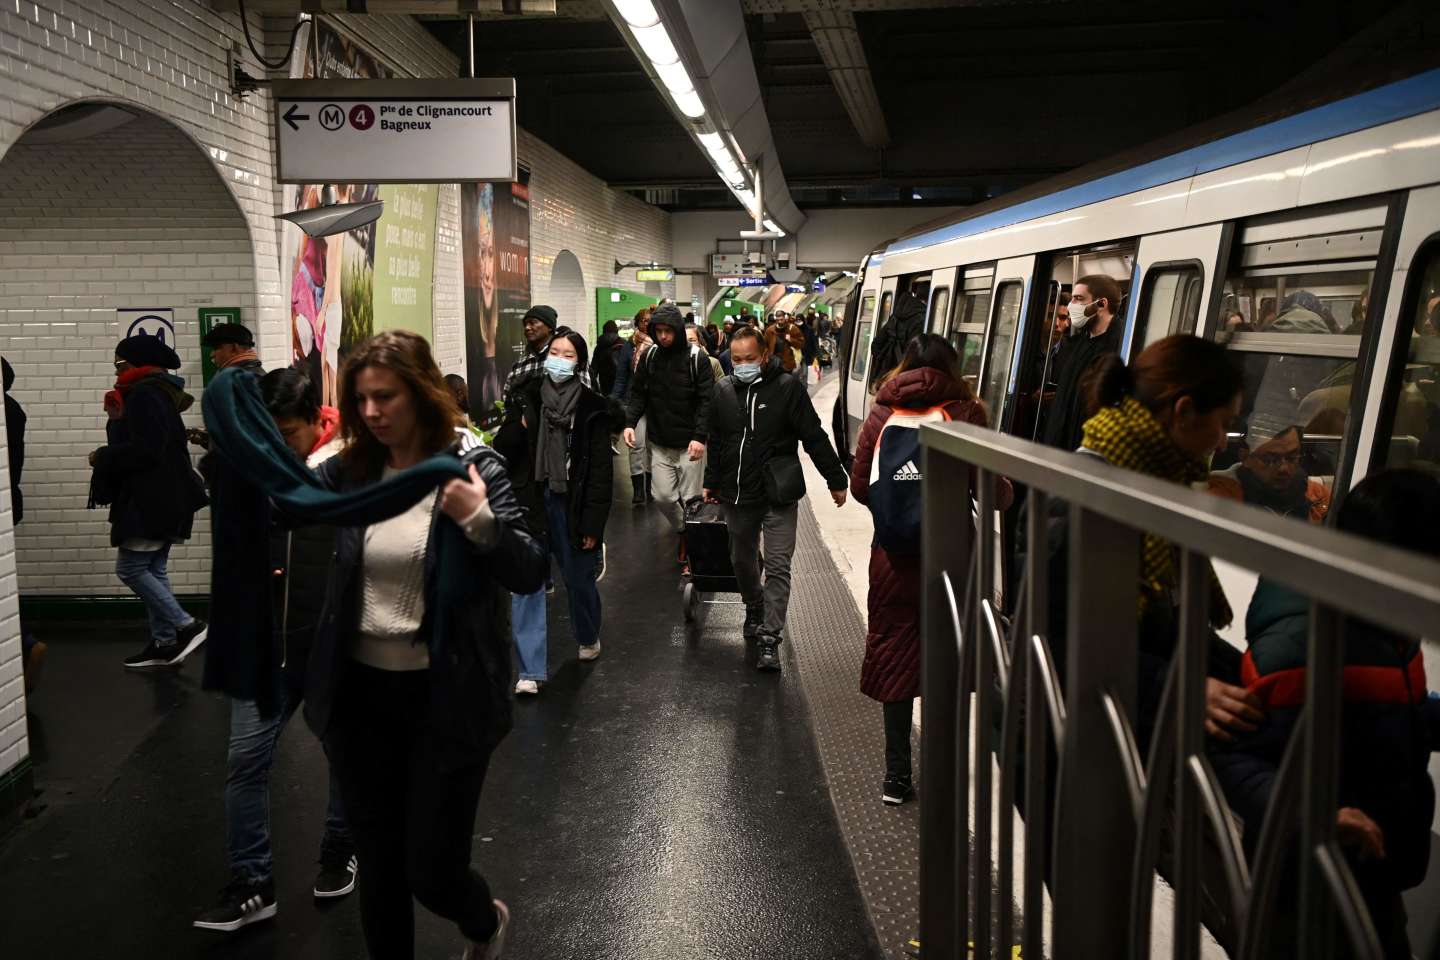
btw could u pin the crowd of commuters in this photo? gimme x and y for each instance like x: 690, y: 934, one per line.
x: 382, y: 565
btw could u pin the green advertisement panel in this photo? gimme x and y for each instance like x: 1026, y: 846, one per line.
x: 613, y: 303
x: 729, y: 305
x: 404, y: 260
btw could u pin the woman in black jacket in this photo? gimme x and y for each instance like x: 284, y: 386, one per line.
x: 409, y: 677
x: 565, y: 475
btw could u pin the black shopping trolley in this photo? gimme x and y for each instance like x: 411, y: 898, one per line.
x: 707, y: 552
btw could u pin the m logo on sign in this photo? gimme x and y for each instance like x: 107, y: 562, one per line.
x: 332, y: 117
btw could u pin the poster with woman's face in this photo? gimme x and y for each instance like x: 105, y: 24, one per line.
x: 495, y: 240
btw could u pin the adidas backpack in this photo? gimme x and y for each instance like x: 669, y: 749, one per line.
x: 895, y: 480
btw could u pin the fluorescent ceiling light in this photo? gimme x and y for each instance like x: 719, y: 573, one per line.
x: 711, y: 142
x: 655, y: 41
x: 773, y: 227
x: 747, y: 199
x: 690, y: 104
x: 637, y: 13
x: 674, y: 76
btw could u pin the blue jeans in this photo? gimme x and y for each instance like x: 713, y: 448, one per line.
x: 578, y: 568
x: 247, y: 794
x: 144, y: 572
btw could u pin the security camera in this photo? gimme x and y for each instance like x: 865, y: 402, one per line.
x: 332, y: 218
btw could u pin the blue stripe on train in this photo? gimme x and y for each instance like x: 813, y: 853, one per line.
x: 1395, y: 101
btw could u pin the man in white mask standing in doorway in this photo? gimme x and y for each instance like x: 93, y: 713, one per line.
x: 1094, y: 332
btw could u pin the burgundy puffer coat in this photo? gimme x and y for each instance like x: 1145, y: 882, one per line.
x: 892, y: 643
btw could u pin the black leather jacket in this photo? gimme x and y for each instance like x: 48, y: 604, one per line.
x: 472, y: 683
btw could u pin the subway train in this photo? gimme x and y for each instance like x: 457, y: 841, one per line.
x: 1308, y: 243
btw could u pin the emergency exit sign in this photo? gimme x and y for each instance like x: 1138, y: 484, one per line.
x: 395, y: 131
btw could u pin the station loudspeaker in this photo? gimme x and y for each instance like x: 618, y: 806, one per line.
x: 328, y: 219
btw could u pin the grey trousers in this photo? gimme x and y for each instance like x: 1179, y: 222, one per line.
x: 777, y: 524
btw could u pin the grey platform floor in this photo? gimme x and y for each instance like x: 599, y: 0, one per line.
x: 667, y: 801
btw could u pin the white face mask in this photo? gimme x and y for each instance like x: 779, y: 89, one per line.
x: 1078, y: 316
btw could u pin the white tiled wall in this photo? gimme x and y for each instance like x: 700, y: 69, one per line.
x: 152, y: 226
x: 82, y: 234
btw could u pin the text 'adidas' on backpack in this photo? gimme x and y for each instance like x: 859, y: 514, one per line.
x: 895, y: 480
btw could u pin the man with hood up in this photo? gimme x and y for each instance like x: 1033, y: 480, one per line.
x: 907, y: 321
x: 144, y: 474
x: 760, y: 414
x: 671, y: 390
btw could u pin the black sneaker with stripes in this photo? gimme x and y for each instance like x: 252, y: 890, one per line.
x: 336, y: 877
x: 242, y: 902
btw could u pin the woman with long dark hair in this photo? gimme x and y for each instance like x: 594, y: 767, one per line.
x: 1164, y: 415
x: 925, y: 386
x: 565, y: 474
x: 409, y: 679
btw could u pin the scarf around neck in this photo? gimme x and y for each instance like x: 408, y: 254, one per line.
x: 243, y: 356
x: 557, y: 416
x: 174, y: 387
x: 1129, y: 436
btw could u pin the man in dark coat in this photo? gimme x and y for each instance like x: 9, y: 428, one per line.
x: 760, y: 414
x: 671, y: 389
x: 300, y: 562
x: 907, y: 320
x: 1094, y: 331
x: 144, y: 473
x: 603, y: 364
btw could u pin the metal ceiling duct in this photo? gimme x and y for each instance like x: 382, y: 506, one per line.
x: 711, y: 35
x: 838, y: 39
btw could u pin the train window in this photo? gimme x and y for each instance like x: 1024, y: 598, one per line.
x: 1326, y: 300
x: 968, y: 346
x: 861, y: 358
x: 885, y: 300
x: 939, y: 310
x: 1169, y: 303
x: 1002, y: 339
x: 1414, y: 403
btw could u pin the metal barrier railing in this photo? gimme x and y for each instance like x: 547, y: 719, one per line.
x: 1106, y: 837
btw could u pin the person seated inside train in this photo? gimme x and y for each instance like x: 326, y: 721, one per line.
x: 1234, y: 322
x: 1266, y: 313
x: 1302, y: 312
x: 1271, y: 474
x: 1390, y: 722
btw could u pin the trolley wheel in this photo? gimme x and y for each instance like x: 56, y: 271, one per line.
x: 691, y: 600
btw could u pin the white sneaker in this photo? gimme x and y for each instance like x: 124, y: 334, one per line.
x: 591, y: 652
x: 527, y: 686
x: 491, y: 949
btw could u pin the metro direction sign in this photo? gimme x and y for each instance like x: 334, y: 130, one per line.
x: 733, y: 265
x: 395, y: 131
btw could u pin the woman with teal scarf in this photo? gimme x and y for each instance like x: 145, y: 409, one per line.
x: 409, y: 679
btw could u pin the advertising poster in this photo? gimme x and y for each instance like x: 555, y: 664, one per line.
x: 347, y: 287
x: 495, y: 238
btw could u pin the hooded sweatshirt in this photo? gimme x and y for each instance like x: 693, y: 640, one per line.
x: 671, y: 387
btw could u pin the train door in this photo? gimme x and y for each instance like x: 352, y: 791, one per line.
x: 1043, y: 346
x: 1401, y: 427
x: 867, y: 317
x: 1177, y: 281
x: 1008, y: 298
x: 937, y: 314
x: 966, y: 329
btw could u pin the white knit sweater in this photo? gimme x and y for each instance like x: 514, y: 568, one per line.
x: 392, y: 603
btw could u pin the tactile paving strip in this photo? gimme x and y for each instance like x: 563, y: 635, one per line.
x: 828, y: 634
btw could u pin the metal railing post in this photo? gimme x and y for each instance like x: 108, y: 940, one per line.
x: 1095, y: 832
x: 947, y: 544
x: 1189, y: 742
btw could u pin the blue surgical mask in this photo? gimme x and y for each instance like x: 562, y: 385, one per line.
x: 747, y: 372
x: 559, y: 369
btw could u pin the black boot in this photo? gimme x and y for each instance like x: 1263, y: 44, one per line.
x: 767, y: 653
x: 637, y: 481
x: 649, y: 489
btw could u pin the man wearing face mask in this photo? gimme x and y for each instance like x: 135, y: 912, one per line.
x: 760, y: 413
x: 1093, y: 334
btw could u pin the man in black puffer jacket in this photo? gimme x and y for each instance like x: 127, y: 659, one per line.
x: 671, y: 390
x: 760, y: 414
x: 907, y: 321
